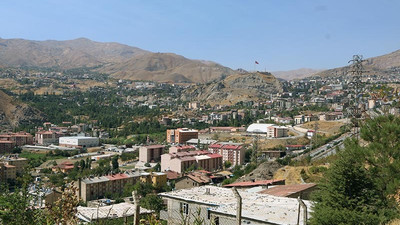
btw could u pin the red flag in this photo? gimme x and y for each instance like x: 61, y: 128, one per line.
x: 256, y: 62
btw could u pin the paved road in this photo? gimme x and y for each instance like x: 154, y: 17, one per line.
x: 327, y: 149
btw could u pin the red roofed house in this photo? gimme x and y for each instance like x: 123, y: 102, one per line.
x: 232, y: 152
x: 64, y: 167
x: 193, y: 179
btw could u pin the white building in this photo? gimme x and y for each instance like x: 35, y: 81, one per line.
x: 217, y: 205
x: 79, y: 142
x: 271, y: 130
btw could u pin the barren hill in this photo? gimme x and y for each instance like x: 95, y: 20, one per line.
x: 121, y: 61
x: 379, y: 65
x: 235, y: 88
x: 167, y: 67
x: 13, y: 114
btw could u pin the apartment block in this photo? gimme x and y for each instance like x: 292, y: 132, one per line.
x: 93, y: 188
x: 151, y: 153
x: 47, y: 137
x: 181, y: 161
x: 19, y: 163
x: 232, y: 152
x: 181, y: 135
x: 19, y: 139
x: 6, y: 146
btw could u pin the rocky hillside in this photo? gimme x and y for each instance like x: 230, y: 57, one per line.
x: 167, y: 67
x: 234, y: 88
x: 116, y: 59
x: 379, y: 65
x: 14, y: 114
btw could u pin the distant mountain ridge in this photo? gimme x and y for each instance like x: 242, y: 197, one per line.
x: 295, y: 74
x: 118, y: 60
x: 379, y: 65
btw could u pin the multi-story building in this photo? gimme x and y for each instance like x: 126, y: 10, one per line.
x: 19, y: 163
x: 157, y: 179
x: 151, y: 153
x: 47, y: 137
x: 79, y: 142
x: 232, y: 152
x: 6, y: 146
x: 181, y: 148
x: 217, y: 205
x: 181, y: 161
x: 181, y: 135
x: 7, y: 172
x: 277, y: 131
x: 96, y: 187
x: 19, y: 139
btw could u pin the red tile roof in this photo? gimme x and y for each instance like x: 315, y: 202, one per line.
x: 118, y: 176
x: 214, y: 155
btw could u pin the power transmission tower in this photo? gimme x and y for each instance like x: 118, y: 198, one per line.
x: 357, y: 70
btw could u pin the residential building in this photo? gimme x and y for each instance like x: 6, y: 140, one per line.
x: 181, y: 148
x: 232, y: 152
x: 157, y: 179
x: 151, y: 153
x: 19, y: 139
x: 19, y: 163
x: 217, y: 205
x: 96, y: 187
x: 181, y: 161
x: 277, y: 131
x: 7, y: 172
x: 64, y: 167
x: 194, y: 179
x: 6, y: 146
x: 200, y: 143
x: 48, y: 137
x: 79, y: 142
x: 181, y: 135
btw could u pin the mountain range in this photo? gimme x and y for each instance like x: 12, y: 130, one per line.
x: 127, y: 62
x: 118, y: 60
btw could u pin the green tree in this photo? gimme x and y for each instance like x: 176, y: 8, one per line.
x: 115, y: 164
x: 152, y: 202
x: 347, y: 195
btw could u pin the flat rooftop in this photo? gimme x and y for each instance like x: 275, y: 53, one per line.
x: 261, y: 207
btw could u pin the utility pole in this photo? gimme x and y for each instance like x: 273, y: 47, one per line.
x: 137, y: 208
x: 238, y: 206
x: 357, y: 70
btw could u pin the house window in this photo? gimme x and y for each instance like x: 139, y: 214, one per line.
x: 216, y: 220
x: 184, y: 208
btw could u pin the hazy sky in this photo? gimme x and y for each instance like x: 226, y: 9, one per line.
x: 279, y: 34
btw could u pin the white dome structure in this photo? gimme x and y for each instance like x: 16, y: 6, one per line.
x: 259, y: 127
